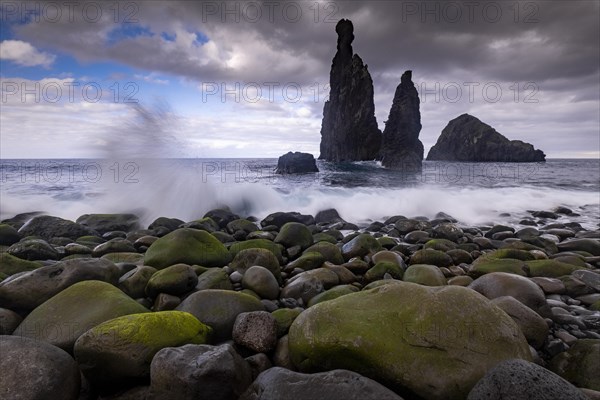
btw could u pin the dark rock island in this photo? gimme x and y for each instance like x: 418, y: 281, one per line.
x: 296, y: 163
x: 466, y: 138
x: 349, y: 131
x: 401, y: 147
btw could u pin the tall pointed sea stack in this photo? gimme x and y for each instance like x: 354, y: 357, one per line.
x: 401, y: 147
x: 349, y: 130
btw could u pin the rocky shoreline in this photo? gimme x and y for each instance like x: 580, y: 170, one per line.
x: 298, y: 307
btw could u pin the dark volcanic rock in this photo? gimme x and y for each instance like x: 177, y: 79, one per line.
x: 48, y: 227
x: 296, y: 163
x: 349, y: 130
x: 466, y: 138
x: 103, y: 223
x: 401, y: 147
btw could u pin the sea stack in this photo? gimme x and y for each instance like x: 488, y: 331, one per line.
x: 349, y: 130
x: 296, y: 163
x: 401, y: 147
x: 466, y: 138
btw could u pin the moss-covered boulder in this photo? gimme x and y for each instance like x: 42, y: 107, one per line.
x: 534, y: 327
x: 484, y: 265
x: 308, y: 284
x: 516, y: 254
x: 8, y: 235
x: 219, y: 309
x: 284, y: 318
x: 10, y: 264
x: 331, y: 252
x: 333, y: 293
x: 360, y: 246
x: 595, y: 306
x: 214, y: 278
x: 69, y: 314
x: 424, y: 274
x: 591, y: 246
x: 307, y: 261
x: 580, y: 365
x: 33, y: 249
x: 48, y: 227
x: 121, y: 349
x: 257, y: 256
x: 241, y: 225
x: 187, y: 246
x: 257, y: 244
x: 435, y: 343
x: 440, y: 244
x: 550, y: 268
x: 134, y: 282
x: 177, y: 279
x: 431, y: 257
x: 262, y: 282
x: 389, y: 256
x: 28, y: 290
x: 294, y: 234
x: 379, y: 270
x: 103, y: 223
x: 323, y: 237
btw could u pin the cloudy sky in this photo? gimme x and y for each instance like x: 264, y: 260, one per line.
x: 249, y: 78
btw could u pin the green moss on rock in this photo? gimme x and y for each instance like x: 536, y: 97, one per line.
x: 187, y: 246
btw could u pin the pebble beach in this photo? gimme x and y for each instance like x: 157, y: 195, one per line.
x: 297, y: 306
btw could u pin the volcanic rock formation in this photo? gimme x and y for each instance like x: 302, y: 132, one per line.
x: 349, y: 129
x: 401, y: 147
x: 466, y: 138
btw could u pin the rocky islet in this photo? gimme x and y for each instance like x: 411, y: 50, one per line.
x: 369, y: 309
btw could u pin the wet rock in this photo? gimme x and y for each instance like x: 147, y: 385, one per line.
x: 32, y: 369
x: 256, y: 331
x: 280, y: 383
x: 466, y: 138
x: 296, y: 163
x: 400, y: 144
x: 47, y: 227
x: 349, y: 129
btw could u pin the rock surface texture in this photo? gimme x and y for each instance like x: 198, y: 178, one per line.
x: 296, y: 163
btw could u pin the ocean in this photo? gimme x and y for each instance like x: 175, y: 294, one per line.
x: 473, y: 193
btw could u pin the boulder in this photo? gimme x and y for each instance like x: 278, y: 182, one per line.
x: 532, y: 325
x: 47, y: 227
x: 400, y: 144
x: 498, y: 284
x: 262, y: 282
x: 466, y: 138
x: 360, y: 246
x: 122, y: 348
x: 66, y: 316
x: 349, y: 130
x: 28, y: 290
x: 435, y: 343
x: 519, y: 379
x: 35, y: 370
x: 296, y: 163
x: 424, y: 274
x: 580, y: 364
x: 103, y: 223
x: 214, y: 278
x: 10, y: 264
x: 256, y: 331
x: 294, y: 234
x: 219, y: 309
x: 257, y: 244
x: 199, y: 372
x: 187, y: 246
x: 33, y: 249
x: 279, y: 383
x: 177, y: 279
x: 8, y: 235
x: 247, y: 258
x: 9, y: 321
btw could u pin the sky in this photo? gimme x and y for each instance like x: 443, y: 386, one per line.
x: 249, y: 78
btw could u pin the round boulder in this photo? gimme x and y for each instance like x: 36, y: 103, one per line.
x: 434, y: 342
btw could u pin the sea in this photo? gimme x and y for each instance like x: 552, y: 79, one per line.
x: 475, y: 194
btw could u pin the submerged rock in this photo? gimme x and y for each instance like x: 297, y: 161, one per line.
x: 401, y: 147
x: 349, y: 130
x: 466, y: 138
x: 296, y: 163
